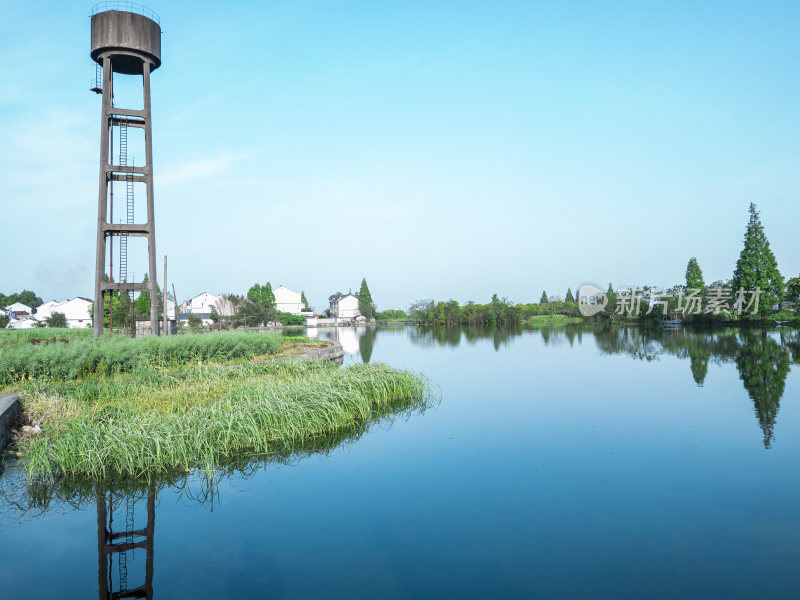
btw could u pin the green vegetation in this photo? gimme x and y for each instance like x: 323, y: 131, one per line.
x: 289, y: 319
x: 757, y: 267
x: 553, y: 320
x: 694, y: 276
x: 26, y: 297
x: 156, y: 421
x: 56, y: 320
x: 70, y: 357
x: 258, y: 308
x: 392, y: 315
x: 428, y: 312
x: 365, y: 304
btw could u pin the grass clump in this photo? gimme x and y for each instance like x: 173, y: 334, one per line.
x: 71, y: 357
x: 162, y: 420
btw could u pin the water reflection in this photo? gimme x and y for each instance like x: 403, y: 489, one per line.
x: 762, y: 358
x: 354, y: 340
x: 452, y: 336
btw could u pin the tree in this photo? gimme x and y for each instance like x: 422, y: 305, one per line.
x: 793, y: 289
x: 26, y: 297
x: 304, y: 300
x: 694, y: 276
x: 195, y: 322
x: 262, y: 294
x: 757, y: 267
x: 4, y: 321
x: 334, y: 296
x: 611, y: 305
x: 56, y: 319
x: 543, y: 299
x: 569, y: 299
x: 365, y: 304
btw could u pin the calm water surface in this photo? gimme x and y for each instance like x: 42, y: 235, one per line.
x: 573, y: 463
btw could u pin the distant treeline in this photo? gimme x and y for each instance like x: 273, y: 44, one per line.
x: 498, y: 311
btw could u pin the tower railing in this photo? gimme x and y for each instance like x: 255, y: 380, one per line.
x: 124, y: 5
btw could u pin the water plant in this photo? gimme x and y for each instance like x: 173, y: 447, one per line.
x: 160, y: 420
x: 60, y: 356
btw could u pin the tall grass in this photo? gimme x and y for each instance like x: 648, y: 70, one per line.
x: 79, y: 356
x: 264, y: 410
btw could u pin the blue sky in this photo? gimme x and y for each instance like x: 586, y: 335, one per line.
x: 439, y: 149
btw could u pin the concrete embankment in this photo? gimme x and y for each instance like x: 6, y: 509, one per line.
x: 9, y: 409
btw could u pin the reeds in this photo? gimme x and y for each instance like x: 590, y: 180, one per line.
x: 79, y: 356
x: 263, y: 410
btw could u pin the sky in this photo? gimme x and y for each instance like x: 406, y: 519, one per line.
x: 438, y: 149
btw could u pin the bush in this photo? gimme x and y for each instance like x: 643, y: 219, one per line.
x: 64, y: 359
x: 290, y: 319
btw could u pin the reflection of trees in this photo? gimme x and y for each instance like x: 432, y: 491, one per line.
x: 763, y: 365
x: 452, y: 336
x: 761, y: 360
x: 366, y: 343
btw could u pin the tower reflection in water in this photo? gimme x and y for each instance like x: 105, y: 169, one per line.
x: 118, y: 540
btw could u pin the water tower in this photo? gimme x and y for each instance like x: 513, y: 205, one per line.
x: 126, y: 41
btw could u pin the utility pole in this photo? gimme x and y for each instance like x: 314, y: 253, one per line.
x: 166, y: 315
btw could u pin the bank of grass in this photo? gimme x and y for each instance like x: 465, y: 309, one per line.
x: 552, y: 320
x: 161, y: 420
x: 58, y: 355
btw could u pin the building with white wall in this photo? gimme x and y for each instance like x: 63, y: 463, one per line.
x: 76, y: 311
x: 344, y: 307
x: 287, y: 300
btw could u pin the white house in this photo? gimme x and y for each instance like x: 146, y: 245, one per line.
x: 47, y: 309
x: 19, y: 307
x: 344, y: 307
x: 287, y: 300
x: 23, y: 323
x: 200, y: 305
x: 76, y: 311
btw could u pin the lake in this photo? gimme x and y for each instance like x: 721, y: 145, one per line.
x: 576, y: 463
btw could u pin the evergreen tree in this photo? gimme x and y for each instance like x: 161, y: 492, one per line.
x: 569, y: 299
x: 694, y: 276
x: 142, y: 302
x: 611, y: 306
x: 365, y: 304
x: 757, y: 267
x: 304, y: 300
x: 543, y: 299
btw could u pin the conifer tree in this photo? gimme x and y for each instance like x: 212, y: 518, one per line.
x: 569, y: 299
x: 306, y: 307
x: 611, y: 306
x: 757, y: 267
x: 694, y: 276
x: 543, y: 299
x: 365, y: 304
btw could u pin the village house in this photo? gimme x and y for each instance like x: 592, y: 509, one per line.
x: 344, y: 307
x: 19, y: 308
x: 287, y: 300
x: 76, y: 311
x: 199, y: 306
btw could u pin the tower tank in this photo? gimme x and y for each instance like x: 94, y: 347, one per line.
x: 127, y: 35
